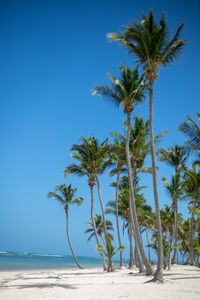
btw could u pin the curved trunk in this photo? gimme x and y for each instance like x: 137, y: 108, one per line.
x: 95, y: 230
x: 172, y: 243
x: 192, y: 241
x: 159, y: 272
x: 117, y: 219
x: 102, y: 207
x: 133, y: 213
x: 75, y: 259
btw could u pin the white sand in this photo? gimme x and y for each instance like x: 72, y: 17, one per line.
x: 182, y: 282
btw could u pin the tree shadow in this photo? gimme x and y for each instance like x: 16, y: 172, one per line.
x: 41, y: 286
x: 189, y: 277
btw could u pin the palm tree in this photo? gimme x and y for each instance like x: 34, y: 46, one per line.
x: 97, y: 158
x: 109, y: 252
x: 192, y: 192
x: 175, y: 190
x: 84, y: 168
x: 66, y: 196
x: 192, y: 130
x: 151, y: 45
x: 175, y: 157
x: 100, y: 228
x: 124, y: 211
x: 118, y: 157
x: 128, y: 91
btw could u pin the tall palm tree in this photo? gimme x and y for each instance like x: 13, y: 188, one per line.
x: 128, y: 91
x: 118, y: 157
x: 175, y: 189
x: 100, y: 228
x: 192, y: 192
x: 151, y: 45
x: 66, y: 196
x: 84, y: 168
x: 192, y: 130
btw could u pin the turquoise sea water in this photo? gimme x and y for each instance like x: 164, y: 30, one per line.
x: 27, y: 261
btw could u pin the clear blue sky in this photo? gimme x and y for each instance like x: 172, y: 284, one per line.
x: 51, y: 55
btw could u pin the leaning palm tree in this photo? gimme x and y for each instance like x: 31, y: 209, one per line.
x: 128, y: 91
x: 151, y: 45
x: 100, y: 228
x: 192, y: 130
x: 66, y: 196
x: 83, y: 168
x: 192, y: 192
x: 175, y: 189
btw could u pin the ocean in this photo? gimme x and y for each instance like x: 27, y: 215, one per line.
x: 10, y: 261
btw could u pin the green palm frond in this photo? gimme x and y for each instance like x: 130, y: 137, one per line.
x: 65, y: 195
x: 129, y: 89
x: 192, y: 130
x: 149, y: 42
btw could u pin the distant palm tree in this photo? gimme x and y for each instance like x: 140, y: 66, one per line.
x: 175, y: 189
x: 192, y: 130
x: 96, y: 157
x: 192, y: 192
x: 128, y: 91
x: 100, y: 228
x: 83, y: 154
x: 124, y: 210
x: 175, y: 157
x: 66, y: 196
x: 151, y: 45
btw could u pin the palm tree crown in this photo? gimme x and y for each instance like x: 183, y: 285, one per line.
x: 175, y: 157
x: 65, y: 195
x: 150, y: 42
x: 126, y: 91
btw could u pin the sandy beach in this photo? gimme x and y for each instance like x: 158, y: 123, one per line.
x: 182, y: 282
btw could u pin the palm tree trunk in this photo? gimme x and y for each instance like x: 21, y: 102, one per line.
x: 138, y: 261
x: 172, y: 238
x: 102, y: 207
x: 117, y: 219
x: 131, y: 262
x: 176, y: 233
x: 133, y: 213
x: 147, y: 236
x: 95, y: 230
x: 159, y: 272
x: 75, y: 259
x: 192, y: 241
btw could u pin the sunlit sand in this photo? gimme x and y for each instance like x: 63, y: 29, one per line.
x: 182, y: 282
